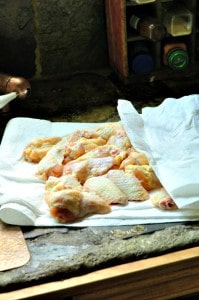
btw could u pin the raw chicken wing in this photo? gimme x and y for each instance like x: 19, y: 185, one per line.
x: 128, y: 184
x: 106, y: 189
x: 146, y: 176
x: 163, y: 200
x: 70, y: 205
x: 134, y: 158
x: 38, y: 148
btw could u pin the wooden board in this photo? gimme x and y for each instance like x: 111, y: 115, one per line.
x: 13, y: 249
x: 116, y: 34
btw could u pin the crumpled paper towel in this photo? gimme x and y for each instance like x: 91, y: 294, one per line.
x: 169, y: 135
x: 22, y: 193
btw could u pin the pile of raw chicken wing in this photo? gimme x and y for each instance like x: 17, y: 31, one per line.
x: 89, y: 170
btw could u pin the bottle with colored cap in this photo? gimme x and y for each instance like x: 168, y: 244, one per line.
x: 148, y: 27
x: 175, y: 55
x: 141, y: 60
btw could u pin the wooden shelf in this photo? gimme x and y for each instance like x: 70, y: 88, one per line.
x: 121, y: 37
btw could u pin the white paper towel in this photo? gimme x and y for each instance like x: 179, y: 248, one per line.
x: 21, y: 192
x: 169, y: 135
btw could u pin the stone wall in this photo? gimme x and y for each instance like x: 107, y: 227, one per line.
x: 52, y: 38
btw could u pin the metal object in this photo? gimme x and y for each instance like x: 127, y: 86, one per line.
x: 10, y: 84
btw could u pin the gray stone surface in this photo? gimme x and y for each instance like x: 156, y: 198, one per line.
x: 71, y: 36
x: 62, y: 252
x: 52, y: 39
x: 17, y: 36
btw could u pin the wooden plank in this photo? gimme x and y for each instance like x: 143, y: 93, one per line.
x: 175, y: 274
x: 116, y: 35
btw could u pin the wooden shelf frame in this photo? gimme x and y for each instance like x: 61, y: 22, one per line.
x: 120, y: 39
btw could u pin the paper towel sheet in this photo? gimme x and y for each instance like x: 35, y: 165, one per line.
x: 21, y: 192
x: 169, y: 135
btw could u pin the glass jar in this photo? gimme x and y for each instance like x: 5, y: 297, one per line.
x: 148, y: 27
x: 178, y: 20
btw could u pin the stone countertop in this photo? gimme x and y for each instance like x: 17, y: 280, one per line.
x: 60, y: 253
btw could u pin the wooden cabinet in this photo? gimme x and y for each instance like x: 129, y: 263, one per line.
x: 122, y: 38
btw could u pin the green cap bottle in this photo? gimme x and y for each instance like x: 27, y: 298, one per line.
x: 177, y: 59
